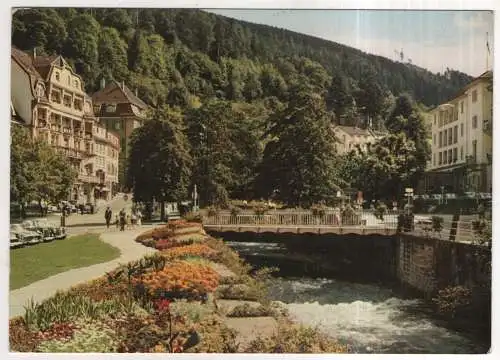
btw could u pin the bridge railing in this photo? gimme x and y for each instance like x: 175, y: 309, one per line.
x: 329, y: 219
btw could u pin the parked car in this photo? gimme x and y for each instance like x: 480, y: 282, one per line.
x: 32, y: 225
x: 24, y: 235
x: 436, y: 196
x: 15, y: 241
x: 49, y: 230
x: 451, y: 195
x: 53, y: 208
x: 485, y: 195
x: 470, y: 195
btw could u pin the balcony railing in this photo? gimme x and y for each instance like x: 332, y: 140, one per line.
x: 89, y: 178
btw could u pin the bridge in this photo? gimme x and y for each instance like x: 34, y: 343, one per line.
x: 360, y: 223
x: 363, y: 223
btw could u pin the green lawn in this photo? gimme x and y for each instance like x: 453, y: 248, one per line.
x: 38, y: 262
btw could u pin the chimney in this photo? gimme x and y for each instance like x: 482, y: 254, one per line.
x: 103, y: 83
x: 34, y: 53
x: 123, y: 85
x: 136, y: 92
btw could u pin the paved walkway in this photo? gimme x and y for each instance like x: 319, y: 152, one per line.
x: 43, y: 289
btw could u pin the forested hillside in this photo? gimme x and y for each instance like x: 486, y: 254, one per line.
x: 243, y: 110
x: 184, y: 56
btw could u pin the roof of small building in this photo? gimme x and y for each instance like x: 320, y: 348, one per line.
x: 354, y: 131
x: 124, y: 95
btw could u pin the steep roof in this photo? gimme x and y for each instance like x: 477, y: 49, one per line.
x: 354, y: 131
x: 26, y: 62
x: 43, y: 64
x: 117, y: 93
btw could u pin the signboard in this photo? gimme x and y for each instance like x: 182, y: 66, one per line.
x: 409, y: 190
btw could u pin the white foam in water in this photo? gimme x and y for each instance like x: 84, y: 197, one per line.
x: 368, y: 319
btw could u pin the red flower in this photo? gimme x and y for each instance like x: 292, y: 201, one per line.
x: 162, y: 305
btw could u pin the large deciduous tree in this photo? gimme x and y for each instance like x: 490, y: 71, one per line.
x: 37, y: 170
x: 159, y: 165
x: 298, y: 166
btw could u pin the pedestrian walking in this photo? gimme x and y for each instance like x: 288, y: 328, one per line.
x: 108, y: 215
x: 133, y: 220
x: 122, y: 220
x: 139, y: 218
x: 117, y: 221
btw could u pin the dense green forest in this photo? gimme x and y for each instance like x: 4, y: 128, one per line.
x: 245, y: 110
x: 179, y: 55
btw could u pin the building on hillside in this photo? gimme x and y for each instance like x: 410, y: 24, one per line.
x: 120, y: 110
x: 349, y: 137
x: 50, y: 99
x: 462, y: 141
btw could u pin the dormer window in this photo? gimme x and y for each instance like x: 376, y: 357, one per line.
x: 110, y: 108
x: 39, y: 90
x: 57, y: 76
x: 76, y: 83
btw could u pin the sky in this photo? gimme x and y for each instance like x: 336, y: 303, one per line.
x: 432, y: 39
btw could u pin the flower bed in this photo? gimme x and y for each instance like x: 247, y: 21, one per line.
x: 165, y: 244
x: 179, y: 280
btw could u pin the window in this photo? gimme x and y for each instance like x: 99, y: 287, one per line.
x: 440, y: 139
x: 474, y: 96
x: 76, y: 83
x: 55, y: 96
x: 434, y: 119
x: 67, y: 101
x: 450, y: 136
x: 69, y: 80
x: 462, y: 130
x: 455, y: 134
x: 445, y: 138
x: 474, y: 122
x: 455, y: 154
x: 434, y: 139
x: 461, y: 107
x: 434, y: 159
x: 450, y: 156
x: 440, y: 158
x: 57, y: 76
x: 440, y: 118
x: 474, y: 149
x: 461, y: 152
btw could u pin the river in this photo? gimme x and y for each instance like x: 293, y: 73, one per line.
x: 371, y: 318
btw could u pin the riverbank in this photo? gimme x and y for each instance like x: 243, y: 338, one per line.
x: 360, y: 308
x: 192, y: 295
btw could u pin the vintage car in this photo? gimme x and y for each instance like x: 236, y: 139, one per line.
x: 48, y: 230
x: 15, y: 241
x: 24, y: 235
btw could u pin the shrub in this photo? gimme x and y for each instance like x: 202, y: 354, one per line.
x: 193, y: 218
x: 21, y: 338
x: 295, y: 339
x: 228, y: 257
x: 91, y: 337
x: 453, y: 299
x: 380, y: 211
x: 180, y: 279
x: 64, y: 307
x: 180, y: 252
x: 437, y: 223
x: 193, y: 311
x: 165, y: 244
x: 318, y: 210
x: 217, y: 337
x: 246, y: 310
x: 260, y: 210
x: 212, y: 211
x: 349, y: 216
x: 235, y: 211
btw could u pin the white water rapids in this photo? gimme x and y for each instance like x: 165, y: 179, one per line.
x: 369, y: 318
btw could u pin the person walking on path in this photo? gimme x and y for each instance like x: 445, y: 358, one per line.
x: 139, y: 218
x: 122, y: 220
x: 117, y: 221
x: 108, y: 215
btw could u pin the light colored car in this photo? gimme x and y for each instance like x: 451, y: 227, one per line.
x: 58, y: 232
x: 451, y: 196
x: 485, y: 195
x: 24, y: 235
x: 32, y: 225
x: 470, y: 195
x: 422, y: 220
x: 15, y: 241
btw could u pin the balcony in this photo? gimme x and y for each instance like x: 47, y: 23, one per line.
x: 71, y: 153
x: 88, y: 135
x: 86, y: 178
